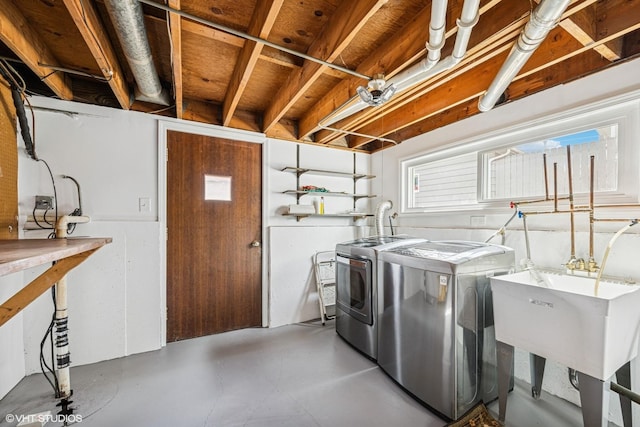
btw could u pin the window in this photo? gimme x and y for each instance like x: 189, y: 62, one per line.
x: 509, y: 165
x: 527, y: 170
x: 445, y: 182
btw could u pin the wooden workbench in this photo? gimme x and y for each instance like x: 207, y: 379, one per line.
x: 18, y: 255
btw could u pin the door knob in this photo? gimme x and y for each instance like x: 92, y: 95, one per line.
x: 255, y: 244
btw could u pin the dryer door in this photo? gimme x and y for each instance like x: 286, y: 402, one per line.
x: 354, y: 287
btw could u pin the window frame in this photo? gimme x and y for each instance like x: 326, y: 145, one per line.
x: 623, y: 110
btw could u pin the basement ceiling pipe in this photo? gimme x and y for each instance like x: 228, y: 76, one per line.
x: 543, y: 19
x: 429, y: 66
x: 128, y: 21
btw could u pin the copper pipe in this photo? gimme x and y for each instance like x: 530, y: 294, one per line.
x: 555, y: 186
x: 546, y: 183
x: 528, y: 202
x: 614, y: 219
x: 572, y: 218
x: 624, y: 205
x: 560, y: 212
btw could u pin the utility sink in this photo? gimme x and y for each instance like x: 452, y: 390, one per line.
x: 558, y: 317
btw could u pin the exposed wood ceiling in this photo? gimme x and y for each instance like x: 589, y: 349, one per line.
x: 225, y: 79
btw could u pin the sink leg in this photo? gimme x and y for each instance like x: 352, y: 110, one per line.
x: 594, y: 399
x: 505, y: 372
x: 623, y: 377
x: 537, y: 374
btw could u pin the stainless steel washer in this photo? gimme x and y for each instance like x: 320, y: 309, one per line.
x: 436, y: 335
x: 357, y: 289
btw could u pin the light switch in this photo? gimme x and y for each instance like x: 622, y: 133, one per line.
x: 144, y: 204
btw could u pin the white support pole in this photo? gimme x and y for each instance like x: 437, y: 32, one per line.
x: 62, y: 354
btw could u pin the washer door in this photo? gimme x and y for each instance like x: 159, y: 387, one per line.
x: 354, y: 287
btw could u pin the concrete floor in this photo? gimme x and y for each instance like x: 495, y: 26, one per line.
x: 293, y: 376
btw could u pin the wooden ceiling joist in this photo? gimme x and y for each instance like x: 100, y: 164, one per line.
x: 18, y: 34
x: 408, y: 46
x: 583, y: 26
x: 471, y: 83
x: 262, y: 20
x: 86, y: 19
x: 362, y: 124
x: 486, y: 42
x: 175, y: 26
x: 349, y: 18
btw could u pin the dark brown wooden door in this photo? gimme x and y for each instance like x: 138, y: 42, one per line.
x: 214, y: 257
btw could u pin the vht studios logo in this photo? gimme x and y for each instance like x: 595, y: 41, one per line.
x: 45, y: 417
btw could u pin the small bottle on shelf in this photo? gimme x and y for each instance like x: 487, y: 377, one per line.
x: 321, y: 206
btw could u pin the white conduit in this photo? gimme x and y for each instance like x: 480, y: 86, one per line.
x: 543, y: 19
x: 429, y: 66
x: 63, y: 358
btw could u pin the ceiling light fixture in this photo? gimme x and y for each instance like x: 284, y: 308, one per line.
x: 376, y: 94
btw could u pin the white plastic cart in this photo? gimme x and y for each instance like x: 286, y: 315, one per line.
x: 324, y: 263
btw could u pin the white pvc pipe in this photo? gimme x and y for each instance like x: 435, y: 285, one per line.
x: 468, y: 19
x: 543, y: 19
x: 437, y: 29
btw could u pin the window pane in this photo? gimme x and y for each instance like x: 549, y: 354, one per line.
x: 445, y: 182
x: 518, y: 171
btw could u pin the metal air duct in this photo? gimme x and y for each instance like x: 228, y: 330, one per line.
x: 543, y: 19
x: 128, y: 21
x: 380, y: 209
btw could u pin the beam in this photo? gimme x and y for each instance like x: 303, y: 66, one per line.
x: 18, y: 34
x: 175, y: 26
x: 348, y: 19
x: 586, y: 63
x: 486, y: 41
x: 268, y: 54
x: 262, y: 20
x: 33, y: 290
x: 582, y: 26
x: 613, y: 17
x: 558, y: 48
x: 88, y: 22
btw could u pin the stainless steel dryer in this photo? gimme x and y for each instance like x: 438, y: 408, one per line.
x: 356, y: 289
x: 436, y: 336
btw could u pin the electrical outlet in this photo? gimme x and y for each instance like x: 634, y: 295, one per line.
x: 44, y: 202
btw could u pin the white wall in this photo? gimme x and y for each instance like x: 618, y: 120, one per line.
x: 12, y: 367
x: 116, y: 297
x: 549, y: 239
x: 292, y: 243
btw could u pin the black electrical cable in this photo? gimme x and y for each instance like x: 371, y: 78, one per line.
x: 18, y: 89
x: 35, y: 218
x: 55, y: 194
x: 44, y: 217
